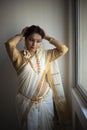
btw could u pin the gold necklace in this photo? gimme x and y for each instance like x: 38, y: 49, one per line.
x: 28, y: 56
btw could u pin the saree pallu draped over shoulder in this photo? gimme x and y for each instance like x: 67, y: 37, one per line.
x: 58, y: 93
x: 37, y: 95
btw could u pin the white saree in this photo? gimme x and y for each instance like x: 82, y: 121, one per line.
x: 37, y: 94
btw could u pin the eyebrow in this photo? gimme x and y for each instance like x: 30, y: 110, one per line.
x: 35, y: 39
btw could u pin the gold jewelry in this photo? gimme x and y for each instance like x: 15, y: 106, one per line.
x: 37, y: 62
x: 27, y: 55
x: 51, y: 40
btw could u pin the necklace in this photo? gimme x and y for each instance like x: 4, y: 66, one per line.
x: 28, y: 56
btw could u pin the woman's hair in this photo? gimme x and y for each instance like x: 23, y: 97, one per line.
x: 34, y: 29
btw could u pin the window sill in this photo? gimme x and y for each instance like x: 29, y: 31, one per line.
x: 79, y: 107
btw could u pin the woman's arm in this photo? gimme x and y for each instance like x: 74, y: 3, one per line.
x: 11, y: 44
x: 13, y: 52
x: 60, y: 47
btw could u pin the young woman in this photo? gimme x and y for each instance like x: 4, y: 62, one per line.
x: 40, y: 90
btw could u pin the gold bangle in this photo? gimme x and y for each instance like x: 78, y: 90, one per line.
x: 51, y: 40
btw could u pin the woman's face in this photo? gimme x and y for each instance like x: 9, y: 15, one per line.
x: 33, y: 42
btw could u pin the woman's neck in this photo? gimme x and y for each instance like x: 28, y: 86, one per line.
x: 32, y: 53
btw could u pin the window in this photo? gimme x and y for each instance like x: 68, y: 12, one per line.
x: 81, y: 46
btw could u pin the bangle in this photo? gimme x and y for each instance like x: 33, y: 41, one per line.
x: 51, y: 40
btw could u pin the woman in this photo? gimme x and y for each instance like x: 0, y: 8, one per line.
x: 40, y: 90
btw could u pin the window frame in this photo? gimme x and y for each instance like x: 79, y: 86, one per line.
x: 77, y: 30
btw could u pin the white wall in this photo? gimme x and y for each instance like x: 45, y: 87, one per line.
x: 52, y: 15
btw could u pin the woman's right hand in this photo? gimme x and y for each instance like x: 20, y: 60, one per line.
x: 24, y: 31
